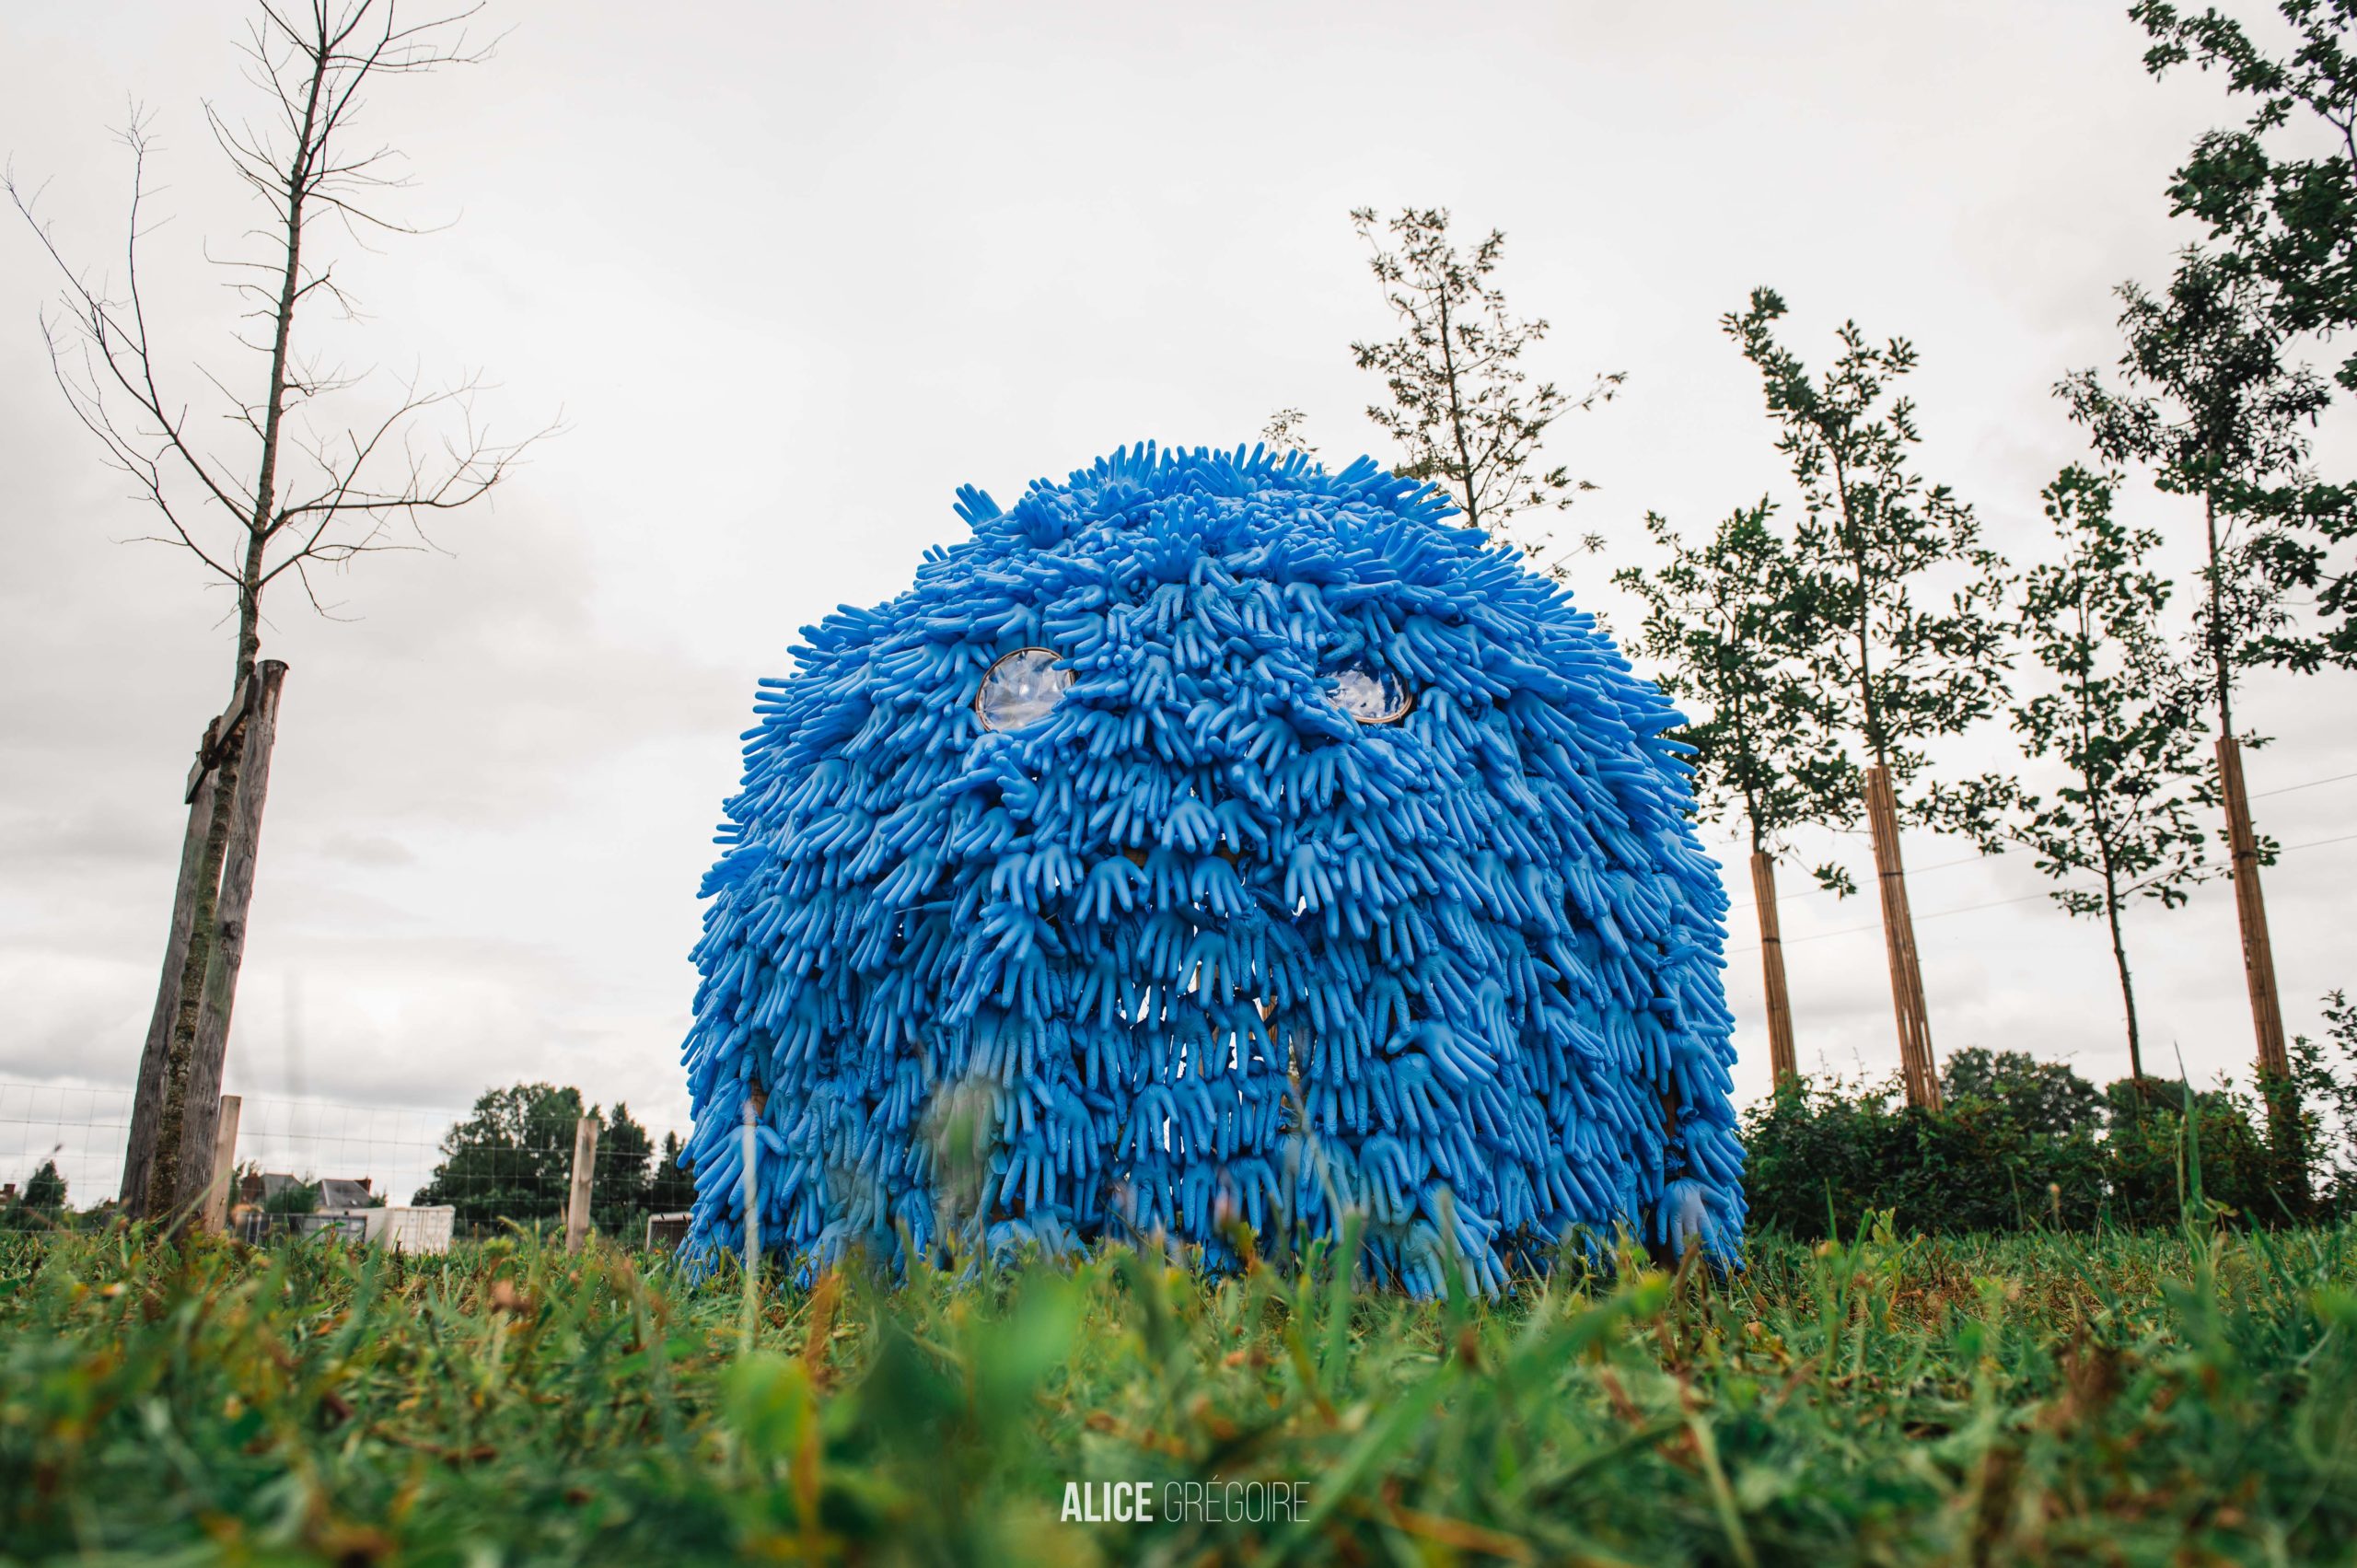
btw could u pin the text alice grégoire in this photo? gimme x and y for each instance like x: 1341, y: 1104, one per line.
x: 1213, y: 1502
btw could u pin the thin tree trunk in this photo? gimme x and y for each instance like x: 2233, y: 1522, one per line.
x: 202, y: 1106
x: 2126, y: 986
x: 1917, y: 1065
x: 1782, y: 1059
x: 155, y: 1059
x: 1457, y: 415
x: 2106, y: 830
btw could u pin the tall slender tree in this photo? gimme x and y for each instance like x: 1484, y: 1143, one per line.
x: 1718, y: 625
x: 620, y: 1184
x: 2210, y: 402
x: 511, y: 1159
x: 671, y: 1188
x: 2280, y: 204
x: 1899, y: 662
x: 2121, y: 720
x: 2289, y: 218
x: 1463, y: 409
x: 303, y: 469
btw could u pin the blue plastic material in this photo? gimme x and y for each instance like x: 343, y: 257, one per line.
x: 1195, y: 947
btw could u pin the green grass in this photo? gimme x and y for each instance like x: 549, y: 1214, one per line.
x: 2181, y: 1397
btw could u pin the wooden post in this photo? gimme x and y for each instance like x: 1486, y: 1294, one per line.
x: 201, y: 1098
x: 213, y: 779
x: 1782, y: 1059
x: 155, y: 1058
x: 2285, y: 1137
x: 584, y: 1166
x: 2250, y: 911
x: 225, y: 1164
x: 1916, y: 1064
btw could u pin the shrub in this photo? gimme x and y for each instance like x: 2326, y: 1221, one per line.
x: 2019, y: 1143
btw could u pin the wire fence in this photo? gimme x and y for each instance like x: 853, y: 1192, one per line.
x: 306, y: 1155
x: 79, y: 1128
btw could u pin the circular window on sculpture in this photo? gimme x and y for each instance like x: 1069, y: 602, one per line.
x: 1021, y: 689
x: 1370, y: 696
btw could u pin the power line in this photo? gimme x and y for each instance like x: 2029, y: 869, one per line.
x: 2336, y: 778
x: 1914, y: 871
x: 1783, y: 899
x: 1999, y: 903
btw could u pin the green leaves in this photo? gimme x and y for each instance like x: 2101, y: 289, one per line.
x: 2291, y: 220
x: 1894, y: 663
x: 1723, y: 625
x: 1461, y: 407
x: 2120, y: 725
x: 2212, y: 395
x: 2209, y: 401
x: 511, y: 1159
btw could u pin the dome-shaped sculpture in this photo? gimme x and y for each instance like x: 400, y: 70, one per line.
x: 1231, y: 841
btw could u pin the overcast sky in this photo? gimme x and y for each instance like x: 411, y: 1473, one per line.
x: 791, y: 273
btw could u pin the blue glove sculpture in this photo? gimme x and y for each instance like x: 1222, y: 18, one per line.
x: 1212, y: 838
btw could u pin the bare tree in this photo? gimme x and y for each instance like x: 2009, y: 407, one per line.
x: 316, y: 469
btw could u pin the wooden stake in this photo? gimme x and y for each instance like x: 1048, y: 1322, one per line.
x: 155, y: 1058
x: 2250, y: 911
x: 1917, y: 1065
x: 213, y: 778
x: 200, y: 1095
x: 585, y: 1167
x: 1782, y: 1059
x: 225, y: 1164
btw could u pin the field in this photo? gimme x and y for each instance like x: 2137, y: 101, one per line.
x: 2187, y: 1396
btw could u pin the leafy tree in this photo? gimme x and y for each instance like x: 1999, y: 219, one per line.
x: 1897, y: 665
x: 1897, y: 670
x: 2123, y: 722
x: 673, y: 1189
x: 2209, y: 401
x: 619, y: 1187
x: 45, y: 1190
x: 42, y: 1205
x: 2288, y: 224
x: 2291, y: 221
x: 2045, y: 1098
x: 2326, y: 1073
x: 2158, y: 1129
x: 1462, y: 407
x: 295, y: 1198
x: 512, y: 1159
x: 1718, y: 625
